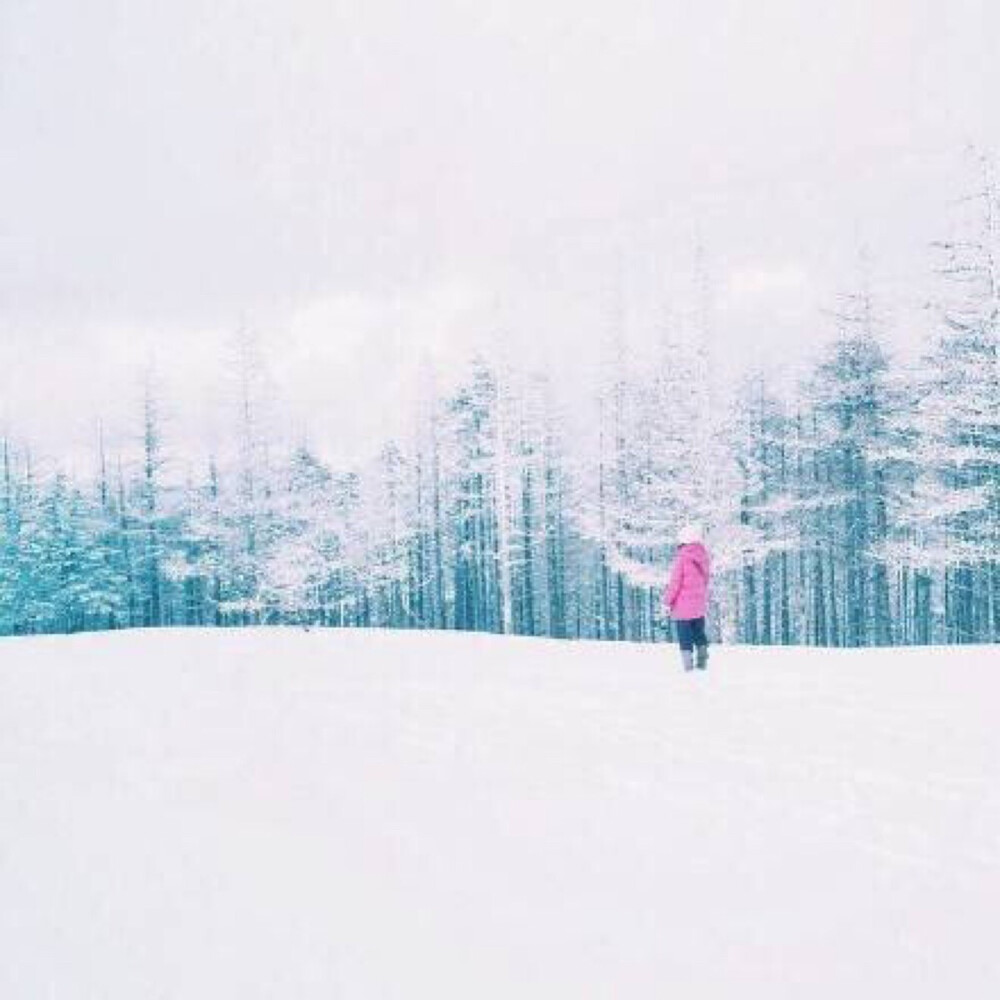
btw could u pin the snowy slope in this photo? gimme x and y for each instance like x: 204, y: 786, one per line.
x: 282, y: 815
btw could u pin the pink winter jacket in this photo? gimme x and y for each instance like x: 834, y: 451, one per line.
x: 686, y: 596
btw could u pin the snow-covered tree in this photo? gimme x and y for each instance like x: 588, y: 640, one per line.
x: 956, y: 508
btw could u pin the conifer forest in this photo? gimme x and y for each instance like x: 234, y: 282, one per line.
x: 860, y: 508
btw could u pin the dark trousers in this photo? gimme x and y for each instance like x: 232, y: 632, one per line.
x: 691, y: 633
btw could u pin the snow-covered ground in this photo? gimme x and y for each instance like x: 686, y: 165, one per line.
x: 287, y: 816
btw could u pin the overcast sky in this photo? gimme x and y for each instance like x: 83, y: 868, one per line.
x: 373, y: 181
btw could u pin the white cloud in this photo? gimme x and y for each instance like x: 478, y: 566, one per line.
x: 169, y: 168
x: 762, y: 280
x: 348, y: 366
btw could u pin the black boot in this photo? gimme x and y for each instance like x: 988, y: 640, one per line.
x: 702, y: 661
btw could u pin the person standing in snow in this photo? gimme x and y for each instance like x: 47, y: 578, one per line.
x: 686, y: 596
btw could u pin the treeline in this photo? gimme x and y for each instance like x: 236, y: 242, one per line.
x: 863, y: 509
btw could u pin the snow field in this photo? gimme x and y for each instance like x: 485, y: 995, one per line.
x: 278, y: 814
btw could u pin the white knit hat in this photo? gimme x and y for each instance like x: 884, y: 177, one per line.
x: 689, y: 533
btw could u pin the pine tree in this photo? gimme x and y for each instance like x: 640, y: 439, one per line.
x: 850, y: 407
x: 959, y: 423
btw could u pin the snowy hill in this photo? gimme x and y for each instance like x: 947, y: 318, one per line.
x: 288, y: 816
